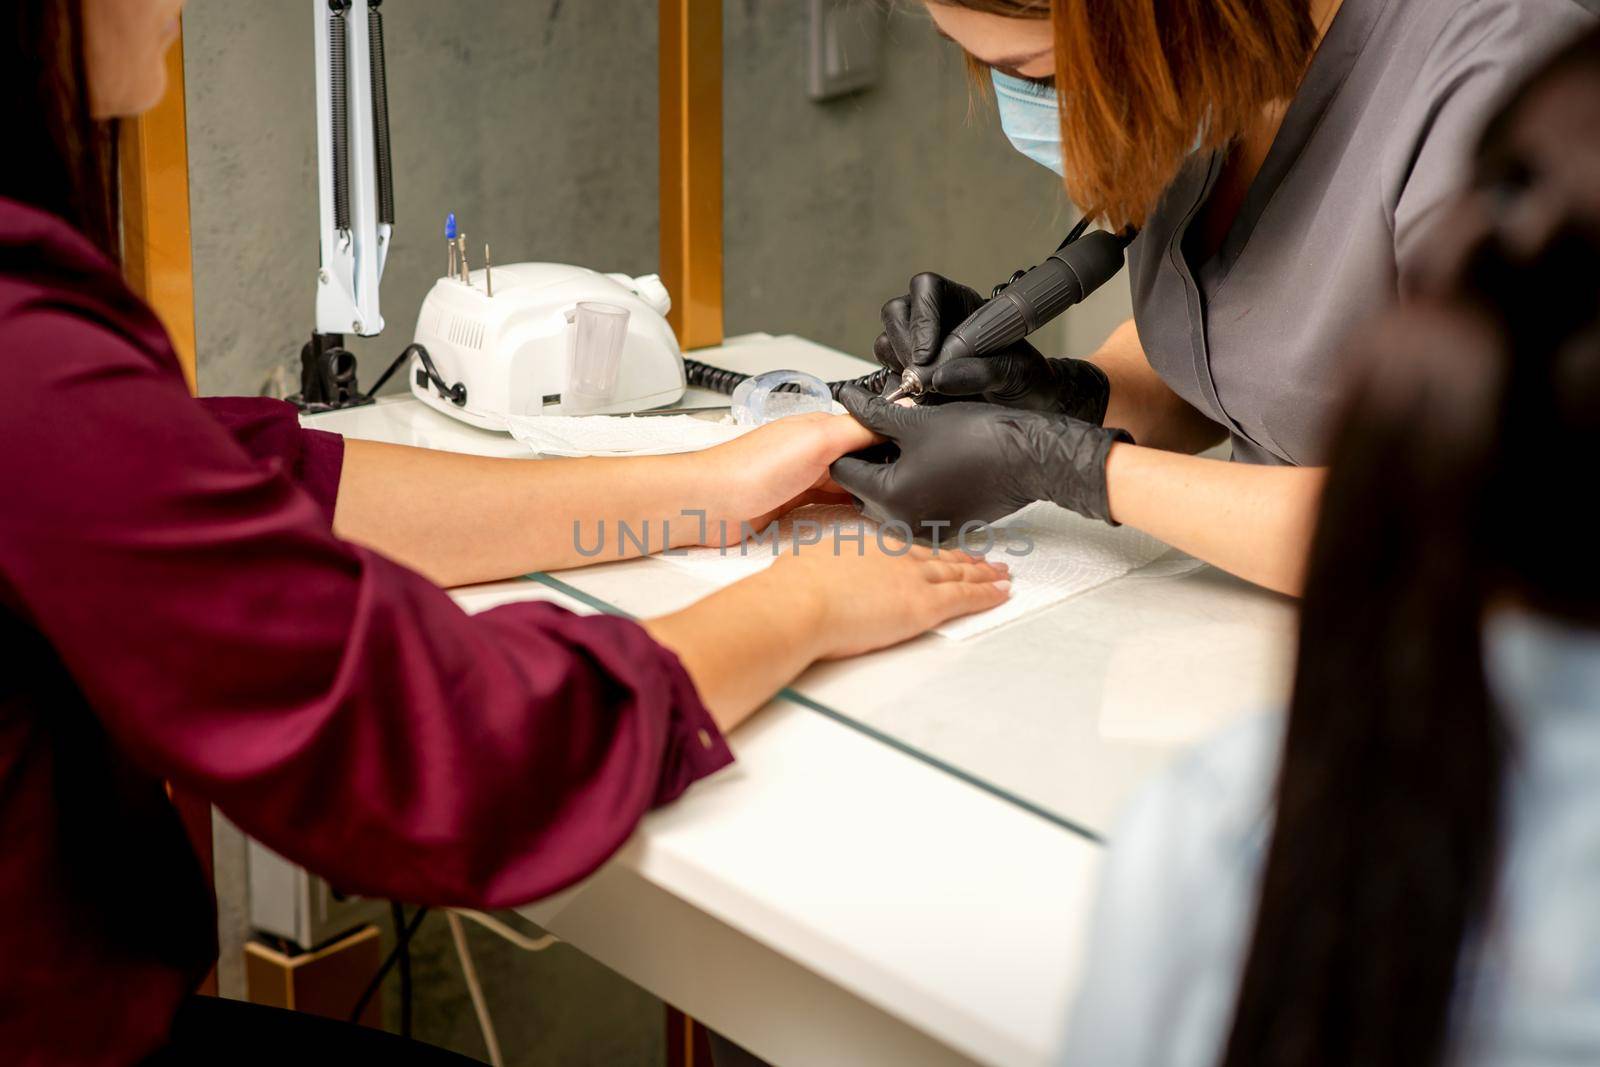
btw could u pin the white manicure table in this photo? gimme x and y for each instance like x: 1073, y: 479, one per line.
x: 900, y: 866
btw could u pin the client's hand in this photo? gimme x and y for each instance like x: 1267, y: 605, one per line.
x: 774, y: 468
x: 881, y: 592
x: 835, y: 599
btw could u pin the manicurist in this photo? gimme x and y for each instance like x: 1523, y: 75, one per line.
x: 1281, y: 161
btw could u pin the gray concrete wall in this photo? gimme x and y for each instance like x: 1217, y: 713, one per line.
x: 535, y: 121
x: 831, y: 208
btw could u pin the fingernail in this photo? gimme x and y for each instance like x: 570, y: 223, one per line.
x: 1004, y: 585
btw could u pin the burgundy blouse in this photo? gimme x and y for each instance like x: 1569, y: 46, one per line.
x: 174, y: 606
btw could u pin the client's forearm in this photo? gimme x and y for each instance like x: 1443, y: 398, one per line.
x: 743, y: 644
x: 461, y: 519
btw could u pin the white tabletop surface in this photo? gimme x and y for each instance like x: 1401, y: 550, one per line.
x: 899, y: 866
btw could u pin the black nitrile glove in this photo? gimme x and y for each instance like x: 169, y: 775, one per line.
x: 970, y: 462
x: 915, y: 325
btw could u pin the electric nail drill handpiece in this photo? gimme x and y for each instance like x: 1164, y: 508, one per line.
x: 1033, y: 298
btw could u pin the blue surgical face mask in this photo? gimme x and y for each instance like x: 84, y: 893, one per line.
x: 1031, y: 119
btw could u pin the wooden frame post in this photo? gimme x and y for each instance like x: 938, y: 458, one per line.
x: 156, y: 257
x: 691, y: 168
x: 326, y: 981
x: 691, y: 248
x: 687, y: 1043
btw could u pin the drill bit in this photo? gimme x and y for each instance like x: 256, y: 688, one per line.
x: 910, y: 386
x: 466, y: 271
x: 488, y: 271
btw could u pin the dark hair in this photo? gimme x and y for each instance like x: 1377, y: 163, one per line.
x: 58, y: 158
x: 1138, y: 83
x: 1450, y: 490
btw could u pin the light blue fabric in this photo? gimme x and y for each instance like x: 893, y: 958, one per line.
x: 1177, y: 894
x: 1030, y: 118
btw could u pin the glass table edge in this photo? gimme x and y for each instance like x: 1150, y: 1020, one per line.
x: 793, y: 696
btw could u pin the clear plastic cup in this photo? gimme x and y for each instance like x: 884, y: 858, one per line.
x: 765, y: 398
x: 594, y: 357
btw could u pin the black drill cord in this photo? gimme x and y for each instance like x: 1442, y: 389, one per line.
x: 398, y: 912
x: 719, y: 380
x: 723, y: 381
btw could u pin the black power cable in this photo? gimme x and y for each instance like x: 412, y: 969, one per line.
x: 328, y: 376
x: 456, y: 394
x: 397, y: 912
x: 402, y: 945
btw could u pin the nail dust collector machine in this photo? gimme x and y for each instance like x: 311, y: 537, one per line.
x: 491, y: 343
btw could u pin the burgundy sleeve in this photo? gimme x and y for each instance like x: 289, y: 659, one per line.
x: 270, y: 431
x: 338, y: 707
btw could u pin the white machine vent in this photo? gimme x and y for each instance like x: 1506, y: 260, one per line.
x: 468, y: 333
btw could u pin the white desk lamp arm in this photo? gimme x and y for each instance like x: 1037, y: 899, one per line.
x: 354, y: 176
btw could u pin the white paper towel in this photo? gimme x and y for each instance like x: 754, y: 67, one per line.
x: 619, y: 435
x: 1069, y: 555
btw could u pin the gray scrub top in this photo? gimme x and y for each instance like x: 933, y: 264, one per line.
x: 1379, y: 136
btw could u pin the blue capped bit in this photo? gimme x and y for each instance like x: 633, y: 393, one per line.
x: 450, y: 226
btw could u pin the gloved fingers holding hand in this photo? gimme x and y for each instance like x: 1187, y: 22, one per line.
x: 944, y: 472
x: 969, y: 462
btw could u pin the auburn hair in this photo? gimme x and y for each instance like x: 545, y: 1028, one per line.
x: 1139, y: 82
